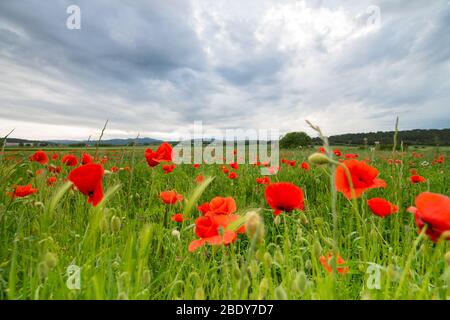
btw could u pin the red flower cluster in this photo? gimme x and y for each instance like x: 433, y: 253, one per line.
x: 212, y: 227
x: 363, y: 177
x: 89, y: 181
x: 162, y: 154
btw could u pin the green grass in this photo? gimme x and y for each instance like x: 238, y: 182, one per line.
x: 143, y: 258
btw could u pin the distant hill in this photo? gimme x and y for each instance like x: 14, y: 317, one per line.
x: 409, y: 137
x: 112, y: 142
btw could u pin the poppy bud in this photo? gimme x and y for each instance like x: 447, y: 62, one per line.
x: 199, y: 294
x: 115, y: 223
x: 51, y: 260
x: 317, y: 249
x: 42, y: 269
x: 104, y: 227
x: 280, y: 293
x: 255, y: 227
x: 447, y: 258
x: 263, y: 288
x: 318, y: 158
x: 146, y: 277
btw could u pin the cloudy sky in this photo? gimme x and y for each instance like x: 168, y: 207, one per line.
x: 154, y: 67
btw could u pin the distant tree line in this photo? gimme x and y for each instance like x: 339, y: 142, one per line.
x: 409, y: 137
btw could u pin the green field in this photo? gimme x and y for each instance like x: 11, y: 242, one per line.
x: 129, y: 248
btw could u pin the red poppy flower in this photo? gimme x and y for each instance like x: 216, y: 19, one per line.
x: 322, y: 150
x: 234, y: 165
x: 170, y: 197
x: 69, y: 160
x: 326, y: 263
x: 51, y: 181
x: 305, y: 166
x: 284, y: 196
x: 89, y: 181
x: 292, y: 163
x: 162, y: 154
x: 39, y: 156
x: 178, y: 218
x: 218, y: 206
x: 413, y: 171
x: 199, y: 179
x: 196, y: 166
x: 23, y: 191
x: 433, y: 210
x: 232, y: 175
x: 126, y: 168
x: 337, y: 152
x: 54, y: 169
x: 363, y: 176
x: 263, y: 180
x: 86, y: 158
x: 417, y: 179
x: 168, y: 168
x: 351, y: 156
x: 207, y: 228
x: 381, y: 207
x: 55, y: 156
x: 39, y: 172
x: 114, y: 169
x: 225, y: 169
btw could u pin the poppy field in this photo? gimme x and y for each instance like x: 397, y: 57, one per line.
x: 332, y: 223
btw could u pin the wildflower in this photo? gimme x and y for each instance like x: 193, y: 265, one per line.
x: 170, y: 197
x: 305, y: 166
x: 284, y: 196
x: 381, y: 207
x: 417, y: 179
x: 351, y: 156
x: 168, y: 168
x: 325, y: 262
x: 263, y: 180
x: 234, y: 165
x: 433, y: 210
x: 363, y: 177
x: 69, y: 160
x: 233, y: 175
x: 51, y: 181
x: 163, y: 153
x: 39, y: 156
x: 86, y: 158
x: 177, y: 218
x: 23, y: 191
x: 218, y: 206
x: 89, y: 181
x: 199, y: 179
x: 212, y: 229
x: 337, y: 152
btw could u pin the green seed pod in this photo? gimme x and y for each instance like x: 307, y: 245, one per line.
x: 146, y: 277
x: 301, y: 281
x: 51, y: 260
x: 116, y: 223
x: 104, y: 227
x: 280, y: 293
x: 42, y: 269
x: 199, y: 294
x: 255, y: 227
x: 317, y: 249
x: 254, y: 268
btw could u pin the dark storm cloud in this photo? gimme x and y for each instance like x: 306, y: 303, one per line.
x: 157, y: 66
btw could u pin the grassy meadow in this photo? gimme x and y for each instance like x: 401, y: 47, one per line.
x: 128, y: 247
